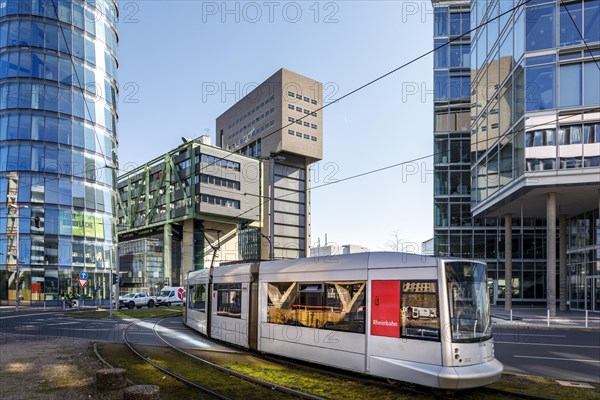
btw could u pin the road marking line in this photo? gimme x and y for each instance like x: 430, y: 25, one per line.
x: 28, y: 315
x: 526, y: 334
x: 549, y: 344
x: 557, y: 358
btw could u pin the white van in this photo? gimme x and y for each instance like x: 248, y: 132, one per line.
x: 171, y: 295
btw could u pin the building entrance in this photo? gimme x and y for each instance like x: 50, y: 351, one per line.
x: 592, y: 293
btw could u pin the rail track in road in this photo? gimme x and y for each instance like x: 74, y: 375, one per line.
x: 257, y: 385
x: 403, y: 389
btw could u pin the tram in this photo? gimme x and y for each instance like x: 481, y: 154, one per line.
x: 406, y: 317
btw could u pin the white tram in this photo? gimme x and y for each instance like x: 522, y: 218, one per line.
x: 406, y: 317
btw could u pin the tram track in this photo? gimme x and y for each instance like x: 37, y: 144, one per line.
x: 178, y: 377
x: 270, y: 386
x: 405, y: 387
x: 261, y: 382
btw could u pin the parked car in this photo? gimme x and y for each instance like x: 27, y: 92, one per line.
x: 139, y: 300
x: 171, y: 295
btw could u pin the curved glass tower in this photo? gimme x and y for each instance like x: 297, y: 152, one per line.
x: 58, y: 95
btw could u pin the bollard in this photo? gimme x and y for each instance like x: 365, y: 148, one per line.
x: 111, y: 378
x: 586, y: 318
x: 142, y: 392
x: 44, y: 305
x: 548, y: 318
x: 511, y: 315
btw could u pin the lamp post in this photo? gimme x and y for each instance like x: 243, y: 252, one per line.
x: 17, y: 271
x: 272, y: 158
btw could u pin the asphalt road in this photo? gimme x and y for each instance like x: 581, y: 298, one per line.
x: 561, y: 354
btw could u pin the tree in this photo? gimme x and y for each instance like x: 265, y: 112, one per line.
x: 395, y: 243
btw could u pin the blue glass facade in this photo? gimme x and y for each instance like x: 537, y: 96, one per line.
x: 457, y: 145
x: 58, y: 97
x: 535, y: 96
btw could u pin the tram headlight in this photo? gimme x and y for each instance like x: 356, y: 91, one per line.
x: 457, y: 355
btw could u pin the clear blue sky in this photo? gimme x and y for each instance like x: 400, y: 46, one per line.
x: 171, y: 51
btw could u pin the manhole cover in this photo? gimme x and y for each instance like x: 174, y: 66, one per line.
x: 575, y: 384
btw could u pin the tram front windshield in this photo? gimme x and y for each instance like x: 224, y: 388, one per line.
x: 470, y: 319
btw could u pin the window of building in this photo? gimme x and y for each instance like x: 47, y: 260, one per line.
x: 540, y: 138
x: 571, y: 85
x: 314, y: 126
x: 313, y: 138
x: 291, y: 132
x: 440, y: 24
x: 306, y: 123
x: 591, y: 33
x: 569, y: 31
x: 540, y: 89
x: 313, y: 102
x: 306, y: 136
x: 299, y: 109
x: 591, y: 81
x: 291, y: 106
x: 540, y: 27
x: 306, y: 99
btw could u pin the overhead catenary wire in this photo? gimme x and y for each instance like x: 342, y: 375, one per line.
x: 266, y: 199
x: 379, y: 78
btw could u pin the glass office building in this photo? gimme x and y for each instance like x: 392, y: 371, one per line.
x: 457, y: 232
x: 58, y: 95
x: 535, y: 134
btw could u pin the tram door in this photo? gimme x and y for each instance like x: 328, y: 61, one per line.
x: 592, y: 293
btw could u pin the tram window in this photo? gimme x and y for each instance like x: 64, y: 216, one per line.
x: 329, y: 305
x: 345, y: 306
x: 281, y: 299
x: 229, y: 299
x: 198, y: 298
x: 420, y: 310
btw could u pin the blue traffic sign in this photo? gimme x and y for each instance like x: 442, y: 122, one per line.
x: 83, y: 275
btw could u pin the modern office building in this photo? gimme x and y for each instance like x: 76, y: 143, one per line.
x: 280, y: 122
x: 458, y: 231
x: 182, y: 211
x: 534, y: 147
x: 535, y: 144
x: 58, y: 141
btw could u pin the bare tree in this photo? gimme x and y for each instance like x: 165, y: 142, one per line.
x: 395, y: 243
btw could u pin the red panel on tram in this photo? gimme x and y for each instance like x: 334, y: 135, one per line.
x: 385, y: 308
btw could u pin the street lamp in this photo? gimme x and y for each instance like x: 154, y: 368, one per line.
x: 272, y: 158
x: 17, y: 271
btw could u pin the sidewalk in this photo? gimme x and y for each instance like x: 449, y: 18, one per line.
x: 537, y: 317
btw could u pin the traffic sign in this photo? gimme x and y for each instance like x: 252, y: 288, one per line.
x: 82, y: 282
x: 83, y: 275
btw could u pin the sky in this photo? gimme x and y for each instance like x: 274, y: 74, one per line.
x: 173, y: 54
